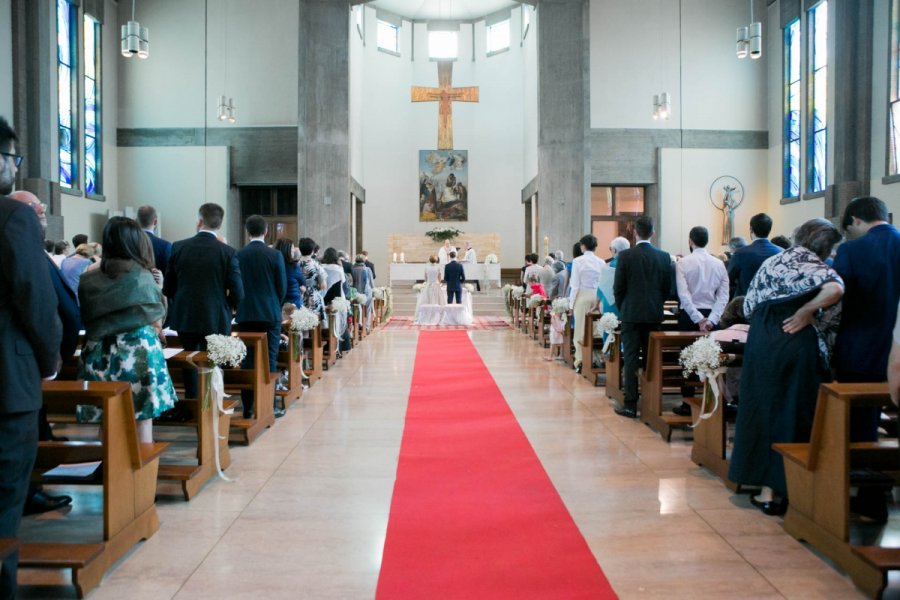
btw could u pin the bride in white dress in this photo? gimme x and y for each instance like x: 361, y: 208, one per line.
x: 431, y: 295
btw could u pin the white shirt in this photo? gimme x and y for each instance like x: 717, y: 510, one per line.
x: 586, y: 270
x: 702, y: 283
x: 470, y: 256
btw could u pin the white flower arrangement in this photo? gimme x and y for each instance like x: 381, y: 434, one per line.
x: 419, y: 287
x: 304, y: 319
x: 378, y: 293
x: 702, y: 357
x: 360, y: 299
x: 469, y: 287
x: 534, y: 300
x: 560, y: 306
x: 517, y: 292
x: 225, y: 350
x: 606, y: 324
x: 341, y: 305
x: 491, y: 259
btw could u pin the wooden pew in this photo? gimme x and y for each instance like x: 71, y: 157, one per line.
x: 568, y: 348
x: 314, y: 348
x: 330, y: 342
x: 590, y: 344
x: 128, y: 476
x: 663, y: 375
x: 291, y: 360
x: 710, y: 445
x: 258, y: 380
x: 7, y: 547
x: 378, y: 312
x: 818, y: 478
x: 192, y: 477
x: 880, y: 558
x: 543, y: 333
x: 614, y: 389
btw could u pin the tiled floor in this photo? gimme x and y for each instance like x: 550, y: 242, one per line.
x: 307, y: 512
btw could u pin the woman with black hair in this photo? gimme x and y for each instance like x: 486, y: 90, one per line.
x: 296, y: 282
x: 315, y: 277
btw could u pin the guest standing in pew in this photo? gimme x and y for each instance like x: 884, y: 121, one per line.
x: 587, y: 270
x: 335, y: 276
x: 893, y: 373
x: 162, y: 250
x: 38, y: 500
x: 204, y: 287
x: 369, y: 264
x: 793, y: 306
x: 642, y: 282
x: 742, y: 266
x: 702, y: 294
x: 296, y: 282
x: 30, y: 335
x: 364, y: 281
x: 869, y: 264
x: 316, y: 278
x: 264, y: 282
x: 123, y: 308
x: 605, y: 293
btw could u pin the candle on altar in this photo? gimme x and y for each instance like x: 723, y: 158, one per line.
x: 395, y: 257
x: 402, y: 257
x: 546, y: 245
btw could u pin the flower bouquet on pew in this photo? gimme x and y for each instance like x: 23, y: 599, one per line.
x: 534, y: 300
x: 704, y: 358
x: 221, y: 351
x: 339, y: 305
x: 506, y: 290
x: 606, y: 327
x: 560, y: 306
x: 360, y: 299
x: 302, y: 320
x: 469, y: 288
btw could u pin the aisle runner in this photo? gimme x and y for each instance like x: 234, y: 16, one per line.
x: 474, y: 515
x: 479, y: 323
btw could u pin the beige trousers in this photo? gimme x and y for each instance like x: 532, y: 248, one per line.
x: 585, y: 301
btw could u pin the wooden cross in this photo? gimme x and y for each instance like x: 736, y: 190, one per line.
x: 445, y: 94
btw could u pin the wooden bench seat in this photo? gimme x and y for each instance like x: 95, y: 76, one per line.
x: 128, y: 475
x: 7, y: 547
x: 613, y: 370
x: 314, y: 348
x: 818, y: 477
x: 591, y: 344
x: 710, y: 446
x: 291, y: 360
x: 880, y: 558
x: 663, y: 376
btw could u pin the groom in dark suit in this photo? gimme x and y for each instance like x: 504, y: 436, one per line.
x: 30, y: 335
x: 642, y: 282
x: 455, y: 276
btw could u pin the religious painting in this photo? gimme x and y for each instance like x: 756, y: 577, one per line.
x: 443, y: 185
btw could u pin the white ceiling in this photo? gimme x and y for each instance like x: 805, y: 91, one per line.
x: 435, y: 10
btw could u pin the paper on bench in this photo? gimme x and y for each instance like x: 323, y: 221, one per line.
x: 170, y: 352
x: 86, y: 469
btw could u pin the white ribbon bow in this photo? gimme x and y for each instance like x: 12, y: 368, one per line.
x: 217, y: 391
x: 712, y: 378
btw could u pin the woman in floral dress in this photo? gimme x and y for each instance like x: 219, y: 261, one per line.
x: 122, y: 308
x: 316, y: 278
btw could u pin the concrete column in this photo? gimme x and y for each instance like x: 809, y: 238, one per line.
x: 323, y: 150
x: 563, y: 122
x: 851, y: 128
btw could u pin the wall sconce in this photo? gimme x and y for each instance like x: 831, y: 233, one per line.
x: 662, y: 106
x: 135, y: 39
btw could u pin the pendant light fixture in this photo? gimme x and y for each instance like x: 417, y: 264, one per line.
x: 135, y: 39
x: 225, y: 107
x: 749, y: 38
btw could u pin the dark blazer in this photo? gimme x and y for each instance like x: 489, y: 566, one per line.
x: 870, y: 268
x: 454, y: 275
x: 746, y: 262
x: 203, y: 283
x: 265, y: 284
x: 162, y: 250
x: 30, y: 331
x: 642, y: 283
x: 68, y: 311
x: 371, y: 267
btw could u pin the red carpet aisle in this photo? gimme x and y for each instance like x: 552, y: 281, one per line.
x: 474, y: 514
x: 478, y: 323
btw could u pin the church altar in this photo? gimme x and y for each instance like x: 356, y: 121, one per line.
x: 474, y: 271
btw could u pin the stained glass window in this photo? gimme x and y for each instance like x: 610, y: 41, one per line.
x: 893, y: 167
x: 93, y: 181
x: 817, y: 136
x: 67, y: 68
x: 791, y: 127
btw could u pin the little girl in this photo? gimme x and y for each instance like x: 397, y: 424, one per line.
x: 536, y: 287
x: 557, y: 329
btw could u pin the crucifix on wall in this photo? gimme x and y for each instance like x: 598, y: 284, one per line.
x: 445, y: 94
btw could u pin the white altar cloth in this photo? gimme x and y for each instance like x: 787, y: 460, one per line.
x: 447, y: 314
x: 489, y: 273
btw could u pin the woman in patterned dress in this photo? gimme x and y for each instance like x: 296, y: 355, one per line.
x: 123, y: 308
x: 793, y: 306
x: 316, y: 278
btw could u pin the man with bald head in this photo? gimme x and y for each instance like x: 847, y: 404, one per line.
x: 30, y: 335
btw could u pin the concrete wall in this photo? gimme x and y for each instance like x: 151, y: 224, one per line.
x: 530, y: 96
x: 6, y: 78
x: 685, y: 179
x: 146, y: 176
x: 357, y: 96
x: 394, y: 130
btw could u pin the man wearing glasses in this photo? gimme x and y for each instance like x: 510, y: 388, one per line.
x: 30, y: 335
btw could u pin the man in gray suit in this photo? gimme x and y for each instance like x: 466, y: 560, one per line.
x: 30, y: 335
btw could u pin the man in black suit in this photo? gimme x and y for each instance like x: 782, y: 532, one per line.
x: 203, y: 284
x: 746, y: 261
x: 265, y: 284
x: 642, y: 282
x: 30, y: 335
x: 455, y: 276
x: 162, y: 250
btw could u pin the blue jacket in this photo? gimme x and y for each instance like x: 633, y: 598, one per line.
x: 69, y: 313
x: 454, y: 275
x: 746, y: 262
x: 870, y: 268
x: 162, y: 250
x: 262, y: 272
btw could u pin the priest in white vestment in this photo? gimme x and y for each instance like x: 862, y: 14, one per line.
x: 444, y: 253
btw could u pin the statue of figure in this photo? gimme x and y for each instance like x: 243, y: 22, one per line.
x: 728, y: 206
